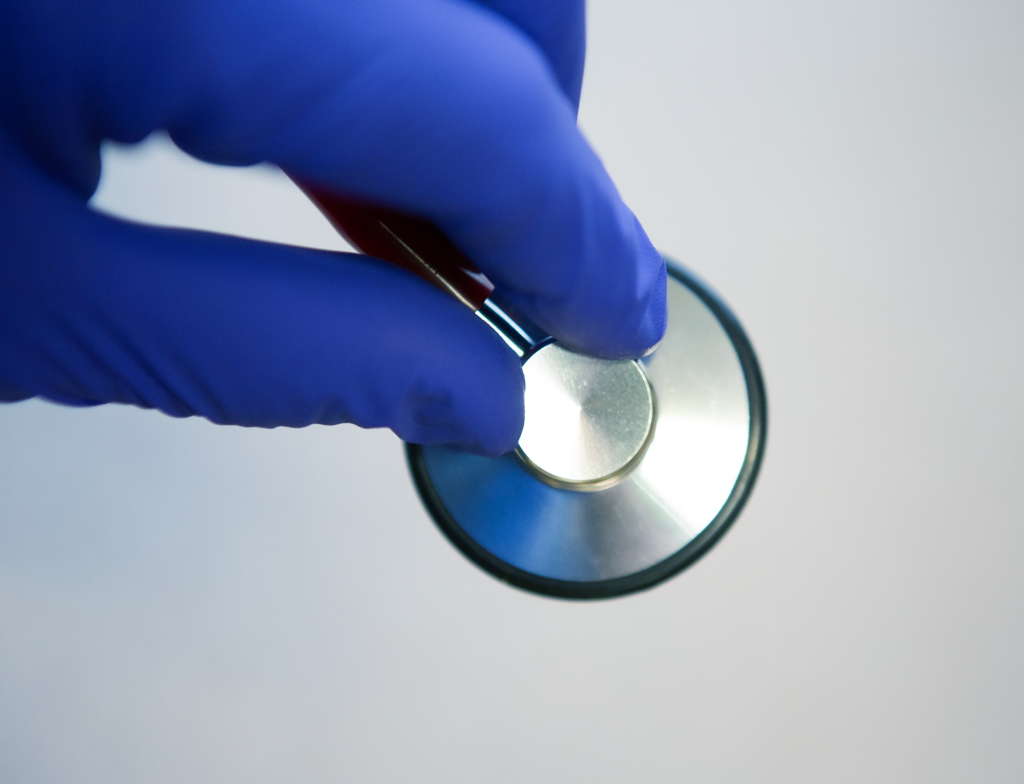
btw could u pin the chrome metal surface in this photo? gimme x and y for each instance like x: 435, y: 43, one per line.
x: 588, y: 420
x: 514, y: 335
x: 689, y: 485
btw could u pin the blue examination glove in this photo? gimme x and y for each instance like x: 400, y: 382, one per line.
x: 461, y: 112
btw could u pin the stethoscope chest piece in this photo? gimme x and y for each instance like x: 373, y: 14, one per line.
x: 626, y: 472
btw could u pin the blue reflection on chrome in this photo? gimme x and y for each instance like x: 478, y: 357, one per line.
x: 561, y: 534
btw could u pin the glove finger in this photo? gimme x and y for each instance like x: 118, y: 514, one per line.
x: 438, y: 109
x: 96, y: 310
x: 558, y: 27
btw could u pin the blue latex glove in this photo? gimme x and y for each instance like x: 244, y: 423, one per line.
x: 458, y: 111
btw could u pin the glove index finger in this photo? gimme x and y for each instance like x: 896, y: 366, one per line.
x: 558, y: 27
x: 469, y: 129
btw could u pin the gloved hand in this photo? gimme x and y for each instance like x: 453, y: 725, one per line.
x: 458, y: 111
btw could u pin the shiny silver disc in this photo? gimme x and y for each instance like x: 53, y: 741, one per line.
x: 588, y: 420
x: 686, y: 489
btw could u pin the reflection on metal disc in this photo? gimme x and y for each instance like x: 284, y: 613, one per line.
x: 699, y: 466
x: 587, y: 420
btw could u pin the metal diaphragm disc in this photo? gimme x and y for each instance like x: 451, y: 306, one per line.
x: 588, y: 420
x: 679, y: 498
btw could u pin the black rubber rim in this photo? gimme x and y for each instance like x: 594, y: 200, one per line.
x: 682, y: 558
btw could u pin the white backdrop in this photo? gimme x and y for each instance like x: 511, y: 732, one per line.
x: 181, y: 602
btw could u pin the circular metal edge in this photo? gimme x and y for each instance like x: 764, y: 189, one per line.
x: 687, y: 555
x: 616, y: 476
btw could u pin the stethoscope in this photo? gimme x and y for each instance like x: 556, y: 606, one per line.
x: 626, y: 472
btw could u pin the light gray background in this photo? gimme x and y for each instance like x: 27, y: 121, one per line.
x: 181, y: 602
